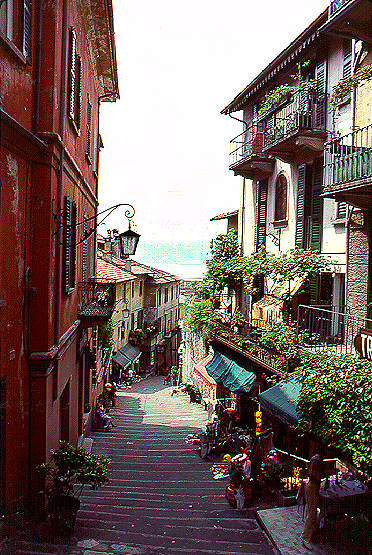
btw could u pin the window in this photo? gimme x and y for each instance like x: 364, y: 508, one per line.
x: 141, y: 288
x: 172, y: 293
x: 347, y: 57
x: 74, y: 85
x: 159, y: 297
x: 69, y: 244
x: 132, y: 288
x: 341, y: 210
x: 166, y: 295
x: 132, y: 321
x: 281, y: 192
x: 89, y: 117
x: 140, y: 319
x: 16, y: 24
x: 261, y: 204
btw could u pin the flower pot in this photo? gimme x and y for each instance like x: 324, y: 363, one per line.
x: 62, y: 510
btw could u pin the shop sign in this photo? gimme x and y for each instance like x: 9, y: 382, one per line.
x: 363, y: 344
x: 258, y: 419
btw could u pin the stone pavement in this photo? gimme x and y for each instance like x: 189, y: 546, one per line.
x: 161, y: 498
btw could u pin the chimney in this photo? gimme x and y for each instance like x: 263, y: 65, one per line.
x: 128, y: 264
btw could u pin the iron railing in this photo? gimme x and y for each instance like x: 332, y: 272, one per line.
x: 320, y: 328
x: 248, y: 347
x: 97, y: 300
x: 251, y: 141
x: 348, y: 158
x: 302, y: 112
x: 336, y: 5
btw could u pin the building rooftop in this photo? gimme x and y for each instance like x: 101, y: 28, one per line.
x: 225, y: 215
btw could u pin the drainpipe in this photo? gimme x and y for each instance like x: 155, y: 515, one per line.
x: 62, y: 120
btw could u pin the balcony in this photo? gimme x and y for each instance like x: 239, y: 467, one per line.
x: 348, y: 168
x: 140, y: 336
x: 330, y: 327
x: 337, y: 5
x: 298, y: 123
x: 350, y: 18
x: 97, y: 302
x: 249, y: 349
x: 246, y: 153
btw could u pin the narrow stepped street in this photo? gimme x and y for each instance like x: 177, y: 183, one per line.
x: 161, y: 497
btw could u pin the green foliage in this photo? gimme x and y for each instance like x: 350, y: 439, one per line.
x: 193, y: 392
x: 226, y: 266
x: 281, y: 338
x: 106, y: 335
x: 299, y: 263
x: 336, y: 404
x: 278, y: 93
x: 71, y: 468
x: 237, y: 319
x: 346, y: 86
x: 199, y: 315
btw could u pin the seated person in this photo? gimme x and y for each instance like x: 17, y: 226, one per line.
x: 102, y: 419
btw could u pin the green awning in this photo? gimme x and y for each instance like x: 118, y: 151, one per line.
x: 126, y: 356
x: 231, y: 375
x: 281, y: 399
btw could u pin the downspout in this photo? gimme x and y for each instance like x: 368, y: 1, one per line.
x: 62, y: 120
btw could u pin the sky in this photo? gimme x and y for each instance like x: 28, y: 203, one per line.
x: 166, y: 145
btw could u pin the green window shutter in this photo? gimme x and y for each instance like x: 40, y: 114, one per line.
x: 73, y: 245
x: 304, y: 96
x: 72, y: 74
x: 314, y: 289
x: 67, y: 215
x: 85, y: 249
x: 346, y: 69
x: 79, y: 75
x: 316, y: 206
x: 341, y: 210
x: 300, y: 209
x: 27, y: 30
x: 321, y: 78
x: 89, y: 117
x: 261, y: 207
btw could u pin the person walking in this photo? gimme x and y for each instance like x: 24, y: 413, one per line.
x: 312, y: 500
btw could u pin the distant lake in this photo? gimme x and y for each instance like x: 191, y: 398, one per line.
x: 184, y: 259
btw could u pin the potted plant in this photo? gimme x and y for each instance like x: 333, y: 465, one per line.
x: 69, y: 470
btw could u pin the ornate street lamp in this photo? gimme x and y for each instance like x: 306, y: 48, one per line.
x: 128, y: 242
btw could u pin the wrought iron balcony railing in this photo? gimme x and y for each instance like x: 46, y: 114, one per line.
x: 304, y: 111
x: 97, y: 302
x: 320, y: 328
x: 336, y: 5
x: 250, y: 142
x: 348, y: 159
x: 248, y: 348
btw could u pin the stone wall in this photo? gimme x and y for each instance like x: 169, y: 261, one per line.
x: 358, y: 260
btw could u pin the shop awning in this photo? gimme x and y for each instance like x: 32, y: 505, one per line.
x: 126, y: 356
x: 201, y: 370
x: 269, y: 308
x: 231, y: 375
x: 281, y: 399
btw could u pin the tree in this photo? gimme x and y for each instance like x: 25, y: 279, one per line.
x: 336, y: 403
x: 199, y: 315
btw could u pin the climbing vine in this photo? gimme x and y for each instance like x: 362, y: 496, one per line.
x: 347, y: 85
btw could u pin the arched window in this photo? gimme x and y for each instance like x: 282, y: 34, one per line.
x: 281, y: 188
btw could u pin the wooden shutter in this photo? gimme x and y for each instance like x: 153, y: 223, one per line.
x: 85, y: 250
x: 261, y: 206
x: 341, y: 210
x: 316, y: 205
x: 321, y: 77
x: 346, y: 69
x: 27, y: 30
x: 79, y: 75
x: 72, y: 74
x: 314, y: 289
x: 304, y: 96
x: 300, y: 209
x: 73, y: 245
x: 89, y: 117
x: 67, y: 213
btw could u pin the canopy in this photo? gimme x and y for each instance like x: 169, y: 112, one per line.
x: 200, y: 369
x: 233, y: 377
x: 281, y: 399
x: 126, y: 356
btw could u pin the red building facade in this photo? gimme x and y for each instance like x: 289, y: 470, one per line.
x: 57, y: 64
